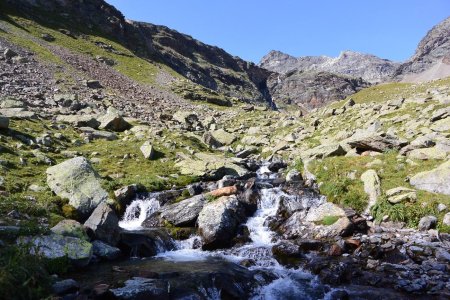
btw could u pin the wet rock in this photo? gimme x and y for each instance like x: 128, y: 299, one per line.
x: 66, y: 286
x: 76, y: 180
x: 276, y: 166
x: 427, y: 222
x: 185, y: 212
x: 105, y: 251
x: 435, y: 181
x: 113, y: 121
x: 285, y: 252
x: 293, y: 176
x: 142, y: 288
x: 147, y: 150
x: 219, y: 220
x: 125, y: 194
x: 335, y: 250
x: 145, y: 243
x: 55, y: 246
x: 103, y: 224
x: 70, y: 228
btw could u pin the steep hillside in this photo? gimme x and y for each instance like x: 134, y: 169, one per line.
x: 208, y: 66
x: 369, y: 67
x: 432, y: 57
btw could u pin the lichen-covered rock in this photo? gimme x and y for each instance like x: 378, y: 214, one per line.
x: 56, y: 246
x: 435, y: 181
x: 70, y: 228
x: 400, y: 194
x: 327, y: 209
x: 104, y: 224
x: 219, y: 220
x: 185, y: 212
x: 76, y: 180
x: 147, y: 150
x: 372, y: 187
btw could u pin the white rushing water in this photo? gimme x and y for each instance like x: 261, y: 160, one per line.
x: 137, y: 212
x: 290, y: 283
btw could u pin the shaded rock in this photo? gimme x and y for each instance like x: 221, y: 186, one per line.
x: 113, y: 121
x: 47, y: 37
x: 65, y: 286
x: 185, y: 212
x: 366, y: 140
x: 93, y: 134
x: 79, y: 121
x: 104, y: 224
x: 105, y: 251
x: 55, y: 246
x: 4, y: 122
x: 372, y: 187
x: 142, y: 288
x: 70, y: 228
x: 427, y: 222
x: 435, y: 181
x: 76, y: 180
x: 218, y: 222
x: 400, y: 194
x: 293, y: 176
x: 275, y: 166
x: 145, y: 243
x: 147, y: 150
x: 125, y: 194
x: 209, y: 140
x: 323, y: 151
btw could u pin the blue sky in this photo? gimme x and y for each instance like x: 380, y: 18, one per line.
x: 251, y: 28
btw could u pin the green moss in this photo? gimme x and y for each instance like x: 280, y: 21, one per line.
x: 329, y: 220
x: 210, y: 198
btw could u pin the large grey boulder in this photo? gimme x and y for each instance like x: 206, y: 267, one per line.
x: 327, y: 209
x: 56, y: 246
x: 183, y: 213
x: 372, y: 187
x: 219, y: 220
x: 113, y: 121
x: 76, y: 180
x: 435, y: 181
x: 104, y: 224
x: 142, y: 288
x: 427, y: 222
x: 4, y: 122
x: 368, y: 140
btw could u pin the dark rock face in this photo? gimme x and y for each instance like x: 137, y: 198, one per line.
x: 104, y: 224
x: 357, y: 65
x: 312, y: 89
x: 145, y: 243
x: 183, y: 213
x: 433, y: 51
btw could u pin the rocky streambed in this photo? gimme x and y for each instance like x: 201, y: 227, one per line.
x: 267, y: 237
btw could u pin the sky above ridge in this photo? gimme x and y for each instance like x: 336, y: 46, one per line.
x: 251, y: 28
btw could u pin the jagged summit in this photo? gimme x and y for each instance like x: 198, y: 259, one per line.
x: 350, y: 63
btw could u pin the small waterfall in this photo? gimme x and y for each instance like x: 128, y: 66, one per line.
x: 137, y: 212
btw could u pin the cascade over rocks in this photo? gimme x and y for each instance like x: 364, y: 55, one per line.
x: 218, y: 222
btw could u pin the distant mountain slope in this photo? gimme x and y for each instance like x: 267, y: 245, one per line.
x: 311, y: 90
x: 369, y: 67
x: 203, y: 64
x: 432, y: 57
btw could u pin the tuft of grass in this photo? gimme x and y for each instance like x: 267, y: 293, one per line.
x: 210, y: 198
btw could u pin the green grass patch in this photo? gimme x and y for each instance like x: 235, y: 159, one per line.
x: 329, y: 220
